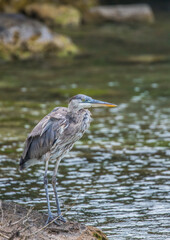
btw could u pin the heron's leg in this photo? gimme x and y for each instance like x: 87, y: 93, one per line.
x: 55, y: 191
x: 50, y: 216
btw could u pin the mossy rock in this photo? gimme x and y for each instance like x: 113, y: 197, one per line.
x: 23, y: 38
x: 13, y: 6
x: 140, y: 13
x: 82, y: 5
x: 53, y: 14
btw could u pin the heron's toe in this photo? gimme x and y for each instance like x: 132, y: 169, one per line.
x: 51, y: 219
x: 61, y: 218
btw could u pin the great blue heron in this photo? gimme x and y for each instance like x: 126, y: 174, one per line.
x: 55, y: 135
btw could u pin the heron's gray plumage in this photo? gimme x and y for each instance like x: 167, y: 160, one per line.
x: 55, y: 135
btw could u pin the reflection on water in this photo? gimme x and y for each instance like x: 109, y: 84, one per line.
x: 117, y: 176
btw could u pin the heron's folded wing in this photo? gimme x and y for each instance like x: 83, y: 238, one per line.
x: 43, y: 136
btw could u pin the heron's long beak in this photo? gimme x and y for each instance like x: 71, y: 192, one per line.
x: 97, y: 103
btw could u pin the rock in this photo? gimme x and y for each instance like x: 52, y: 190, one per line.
x: 144, y: 59
x: 18, y: 222
x: 53, y: 14
x: 22, y: 38
x: 82, y: 5
x: 120, y: 13
x: 13, y: 6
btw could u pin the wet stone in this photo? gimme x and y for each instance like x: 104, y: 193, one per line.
x: 22, y: 38
x: 55, y: 15
x: 120, y: 13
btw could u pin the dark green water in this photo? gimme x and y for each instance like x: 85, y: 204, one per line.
x: 118, y: 176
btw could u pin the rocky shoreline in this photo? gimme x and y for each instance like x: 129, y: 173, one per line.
x: 25, y: 25
x: 19, y: 222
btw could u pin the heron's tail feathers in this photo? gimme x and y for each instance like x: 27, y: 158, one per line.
x: 25, y: 163
x: 22, y: 164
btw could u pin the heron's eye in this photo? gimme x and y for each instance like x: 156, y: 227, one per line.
x: 83, y: 100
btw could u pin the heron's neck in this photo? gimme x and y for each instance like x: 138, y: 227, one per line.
x: 73, y: 109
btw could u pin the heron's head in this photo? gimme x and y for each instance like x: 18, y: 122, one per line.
x: 82, y: 101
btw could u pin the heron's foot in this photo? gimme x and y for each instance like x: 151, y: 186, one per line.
x: 61, y: 218
x: 55, y: 219
x: 51, y: 219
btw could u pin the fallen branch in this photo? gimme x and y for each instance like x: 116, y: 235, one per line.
x: 23, y: 218
x: 4, y: 236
